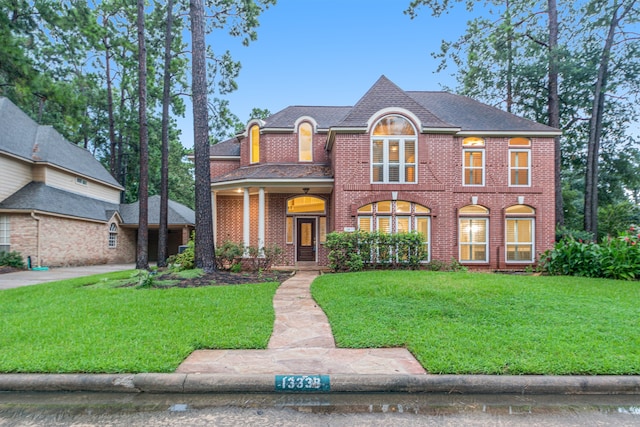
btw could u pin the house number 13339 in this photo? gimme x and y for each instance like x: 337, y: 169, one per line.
x: 302, y: 383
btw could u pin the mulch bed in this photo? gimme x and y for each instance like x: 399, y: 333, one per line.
x: 7, y: 269
x: 225, y: 278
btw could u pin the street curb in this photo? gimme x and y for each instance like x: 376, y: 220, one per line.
x: 339, y: 383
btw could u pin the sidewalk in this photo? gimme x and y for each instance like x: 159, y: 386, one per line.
x: 34, y: 277
x: 301, y: 343
x: 302, y: 348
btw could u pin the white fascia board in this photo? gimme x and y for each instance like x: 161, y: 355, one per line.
x: 224, y: 157
x: 440, y: 130
x: 277, y: 182
x: 549, y: 133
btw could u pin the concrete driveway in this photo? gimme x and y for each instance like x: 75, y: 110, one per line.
x: 33, y: 277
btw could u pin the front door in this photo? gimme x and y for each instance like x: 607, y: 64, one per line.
x: 306, y: 239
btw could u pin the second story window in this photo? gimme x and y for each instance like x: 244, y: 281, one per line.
x: 473, y: 161
x: 254, y: 142
x: 305, y: 142
x: 393, y: 151
x: 519, y: 162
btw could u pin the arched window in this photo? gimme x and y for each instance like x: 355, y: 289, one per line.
x: 113, y: 235
x: 393, y: 151
x: 305, y: 142
x: 396, y: 216
x: 520, y: 232
x: 473, y: 237
x: 254, y: 141
x: 473, y: 161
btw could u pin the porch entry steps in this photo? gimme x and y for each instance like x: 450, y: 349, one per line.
x: 301, y: 343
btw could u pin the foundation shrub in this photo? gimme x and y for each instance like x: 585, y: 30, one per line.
x: 11, y: 259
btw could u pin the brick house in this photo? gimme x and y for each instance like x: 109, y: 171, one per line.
x: 476, y: 181
x: 60, y: 206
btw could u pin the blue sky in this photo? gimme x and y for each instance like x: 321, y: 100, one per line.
x: 330, y: 52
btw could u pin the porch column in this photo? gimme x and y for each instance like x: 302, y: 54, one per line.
x: 214, y: 215
x: 261, y: 215
x: 246, y: 221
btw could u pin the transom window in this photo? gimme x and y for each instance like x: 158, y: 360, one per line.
x: 254, y: 142
x: 520, y: 232
x: 473, y: 229
x: 113, y: 235
x: 306, y: 205
x: 396, y: 217
x: 519, y: 162
x: 5, y: 234
x: 473, y: 161
x: 393, y: 151
x: 305, y: 142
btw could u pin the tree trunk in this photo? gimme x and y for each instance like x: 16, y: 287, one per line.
x: 142, y: 258
x: 204, y: 245
x: 553, y: 106
x: 110, y: 118
x: 595, y: 125
x: 163, y: 231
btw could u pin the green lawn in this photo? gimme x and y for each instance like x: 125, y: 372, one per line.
x: 69, y: 327
x: 472, y: 323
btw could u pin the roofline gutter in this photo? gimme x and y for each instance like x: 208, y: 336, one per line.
x: 225, y: 185
x: 41, y: 212
x: 550, y: 133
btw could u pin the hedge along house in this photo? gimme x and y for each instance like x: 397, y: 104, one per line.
x: 60, y: 206
x: 477, y: 182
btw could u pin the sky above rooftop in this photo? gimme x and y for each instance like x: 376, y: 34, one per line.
x: 330, y: 52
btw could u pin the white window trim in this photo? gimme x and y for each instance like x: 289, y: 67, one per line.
x: 402, y: 179
x: 533, y: 240
x: 486, y: 240
x: 528, y: 168
x: 465, y: 169
x: 6, y: 235
x: 113, y: 236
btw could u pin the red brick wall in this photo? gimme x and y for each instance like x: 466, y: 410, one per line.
x: 221, y: 167
x: 440, y: 188
x: 67, y: 242
x: 283, y: 148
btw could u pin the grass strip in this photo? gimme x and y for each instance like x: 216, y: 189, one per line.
x: 478, y: 323
x: 70, y: 327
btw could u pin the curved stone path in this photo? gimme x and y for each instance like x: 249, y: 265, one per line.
x: 301, y: 343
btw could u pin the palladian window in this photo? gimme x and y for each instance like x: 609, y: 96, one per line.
x: 396, y: 216
x: 393, y: 151
x: 254, y: 141
x: 305, y: 142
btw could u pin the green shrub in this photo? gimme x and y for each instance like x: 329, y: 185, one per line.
x: 227, y: 254
x: 185, y: 260
x: 258, y: 260
x: 615, y: 258
x: 360, y: 250
x: 11, y: 259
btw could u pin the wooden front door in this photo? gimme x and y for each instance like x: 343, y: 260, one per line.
x: 306, y: 231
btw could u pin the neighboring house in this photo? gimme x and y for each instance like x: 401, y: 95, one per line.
x: 476, y: 181
x: 60, y: 206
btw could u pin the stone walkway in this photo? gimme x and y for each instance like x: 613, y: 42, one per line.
x: 302, y: 343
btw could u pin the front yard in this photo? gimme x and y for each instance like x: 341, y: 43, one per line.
x: 452, y: 322
x: 71, y: 327
x: 472, y: 323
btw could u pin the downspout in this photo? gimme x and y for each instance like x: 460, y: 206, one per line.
x: 37, y: 219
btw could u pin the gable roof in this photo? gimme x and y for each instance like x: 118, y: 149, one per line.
x: 23, y: 138
x: 325, y: 117
x: 178, y: 214
x: 385, y: 94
